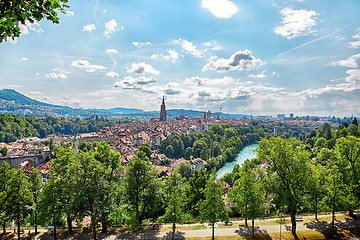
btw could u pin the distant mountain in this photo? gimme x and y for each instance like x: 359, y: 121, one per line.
x: 13, y: 102
x: 12, y: 95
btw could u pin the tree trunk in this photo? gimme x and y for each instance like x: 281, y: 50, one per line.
x: 137, y: 213
x: 173, y: 227
x: 351, y: 213
x: 316, y: 212
x: 213, y: 231
x: 104, y: 227
x: 253, y: 227
x: 333, y: 215
x: 35, y: 222
x: 246, y: 224
x: 18, y: 225
x: 54, y: 223
x: 4, y: 227
x: 93, y: 228
x: 69, y: 223
x: 293, y: 223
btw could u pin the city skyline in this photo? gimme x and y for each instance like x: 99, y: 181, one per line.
x: 263, y: 58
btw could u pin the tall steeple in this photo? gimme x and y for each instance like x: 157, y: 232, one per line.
x: 163, y: 110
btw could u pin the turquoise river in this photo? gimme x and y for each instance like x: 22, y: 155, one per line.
x: 245, y: 153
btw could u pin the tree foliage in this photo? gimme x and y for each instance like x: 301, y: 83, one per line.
x: 16, y: 13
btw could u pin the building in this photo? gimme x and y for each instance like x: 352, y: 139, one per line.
x: 163, y: 111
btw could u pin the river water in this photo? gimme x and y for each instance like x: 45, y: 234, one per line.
x: 245, y: 153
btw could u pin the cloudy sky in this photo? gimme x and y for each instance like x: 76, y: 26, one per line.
x: 261, y: 57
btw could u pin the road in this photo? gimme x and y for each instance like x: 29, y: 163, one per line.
x: 235, y: 230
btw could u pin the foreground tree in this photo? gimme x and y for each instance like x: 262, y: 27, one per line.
x: 288, y: 174
x: 141, y: 186
x: 35, y: 188
x: 18, y: 198
x: 51, y: 202
x: 174, y: 199
x: 92, y: 188
x: 14, y: 13
x: 65, y: 170
x: 213, y: 208
x: 110, y: 161
x: 4, y: 177
x: 249, y: 195
x: 347, y: 160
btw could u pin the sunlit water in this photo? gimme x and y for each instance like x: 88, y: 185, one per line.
x: 245, y: 153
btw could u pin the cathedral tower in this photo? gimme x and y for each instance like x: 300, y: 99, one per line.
x: 163, y: 111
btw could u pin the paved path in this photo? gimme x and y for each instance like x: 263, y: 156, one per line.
x: 242, y: 230
x: 221, y: 231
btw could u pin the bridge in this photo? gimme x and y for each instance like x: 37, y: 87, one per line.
x: 32, y: 159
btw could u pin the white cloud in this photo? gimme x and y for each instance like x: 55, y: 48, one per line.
x: 199, y: 81
x: 89, y: 28
x: 351, y: 62
x: 111, y: 27
x: 351, y: 83
x: 135, y: 83
x: 24, y: 59
x: 260, y: 75
x: 241, y: 61
x: 13, y: 41
x: 35, y: 26
x: 355, y: 44
x: 173, y: 56
x: 141, y: 44
x: 190, y: 48
x: 112, y: 50
x: 86, y: 65
x: 112, y: 74
x: 296, y: 23
x: 56, y: 75
x: 220, y: 8
x: 142, y: 68
x: 70, y: 13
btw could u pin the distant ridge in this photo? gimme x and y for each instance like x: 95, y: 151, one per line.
x: 12, y: 95
x: 13, y: 102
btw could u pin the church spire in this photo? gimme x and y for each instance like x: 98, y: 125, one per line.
x: 163, y: 110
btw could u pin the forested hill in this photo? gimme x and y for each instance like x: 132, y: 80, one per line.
x: 13, y: 127
x: 12, y: 95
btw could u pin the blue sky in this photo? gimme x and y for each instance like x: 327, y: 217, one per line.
x: 261, y: 57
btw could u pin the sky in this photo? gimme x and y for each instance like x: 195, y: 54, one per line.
x: 262, y: 57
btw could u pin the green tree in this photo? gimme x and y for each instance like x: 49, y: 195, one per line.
x: 14, y: 13
x: 195, y: 191
x: 169, y: 151
x: 146, y: 149
x: 141, y: 186
x: 111, y: 163
x: 4, y: 177
x: 212, y: 208
x: 51, y: 203
x: 249, y: 195
x: 288, y: 174
x: 175, y: 199
x: 92, y: 186
x: 185, y: 169
x: 65, y: 170
x: 347, y: 152
x: 4, y: 151
x: 35, y: 188
x: 17, y: 198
